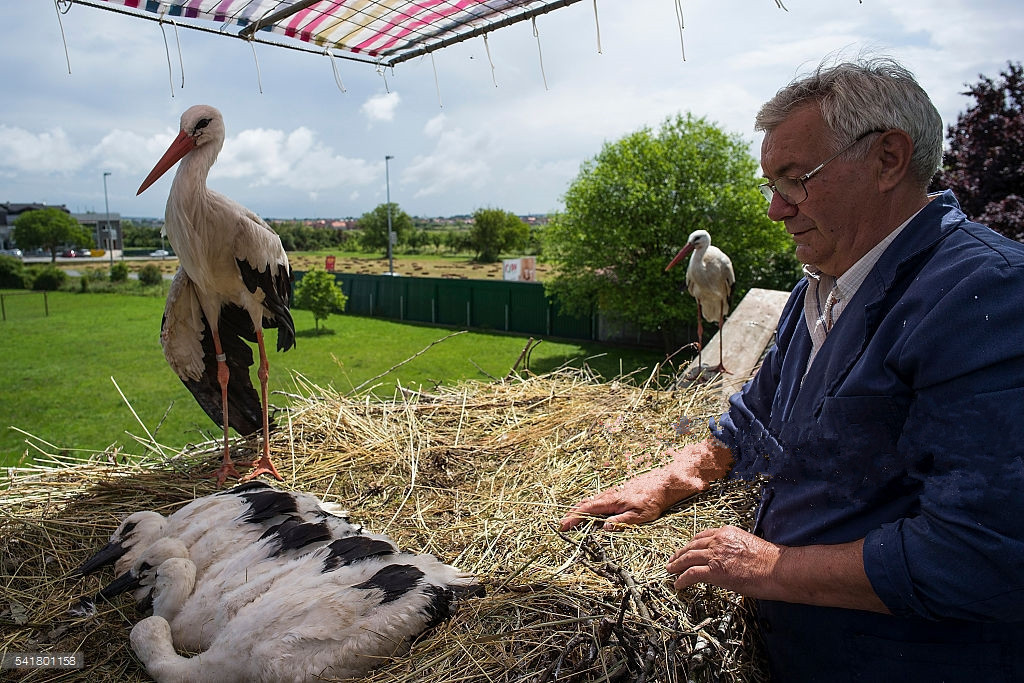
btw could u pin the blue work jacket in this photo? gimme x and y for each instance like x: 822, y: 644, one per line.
x: 906, y: 431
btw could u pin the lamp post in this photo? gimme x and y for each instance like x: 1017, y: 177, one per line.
x: 387, y: 184
x: 106, y: 204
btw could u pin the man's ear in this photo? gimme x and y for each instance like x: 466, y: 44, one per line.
x: 892, y: 151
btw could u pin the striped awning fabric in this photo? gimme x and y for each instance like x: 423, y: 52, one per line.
x: 382, y: 31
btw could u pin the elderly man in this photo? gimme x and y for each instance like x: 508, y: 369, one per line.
x: 888, y: 417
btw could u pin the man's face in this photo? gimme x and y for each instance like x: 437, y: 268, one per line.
x: 828, y: 227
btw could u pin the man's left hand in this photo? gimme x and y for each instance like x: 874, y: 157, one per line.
x: 728, y: 557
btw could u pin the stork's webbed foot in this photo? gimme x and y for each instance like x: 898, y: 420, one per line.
x: 263, y: 466
x: 227, y: 469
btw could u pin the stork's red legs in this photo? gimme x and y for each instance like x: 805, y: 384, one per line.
x: 700, y: 341
x: 721, y: 346
x: 227, y: 468
x: 700, y: 344
x: 263, y: 465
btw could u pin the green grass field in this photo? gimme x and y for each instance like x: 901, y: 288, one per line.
x: 56, y: 369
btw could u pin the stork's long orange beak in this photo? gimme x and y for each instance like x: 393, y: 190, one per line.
x: 679, y: 257
x: 182, y: 145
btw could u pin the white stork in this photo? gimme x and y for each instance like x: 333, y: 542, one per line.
x: 709, y: 279
x: 216, y: 526
x: 234, y: 280
x: 334, y: 613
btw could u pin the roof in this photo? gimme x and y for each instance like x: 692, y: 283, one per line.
x: 384, y: 32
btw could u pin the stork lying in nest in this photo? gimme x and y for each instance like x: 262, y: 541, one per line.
x: 297, y: 594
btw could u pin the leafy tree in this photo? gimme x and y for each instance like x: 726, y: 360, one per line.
x: 139, y: 235
x: 49, y: 228
x: 318, y: 291
x: 374, y: 225
x: 633, y: 206
x: 984, y: 164
x: 495, y: 231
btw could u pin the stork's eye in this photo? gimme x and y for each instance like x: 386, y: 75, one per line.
x: 203, y: 123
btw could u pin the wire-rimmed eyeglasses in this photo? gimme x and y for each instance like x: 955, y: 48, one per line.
x: 793, y: 190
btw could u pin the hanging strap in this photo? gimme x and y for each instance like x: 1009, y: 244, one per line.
x: 56, y: 6
x: 259, y: 78
x: 679, y: 16
x: 167, y: 51
x: 437, y: 85
x: 334, y: 68
x: 540, y: 55
x: 487, y: 49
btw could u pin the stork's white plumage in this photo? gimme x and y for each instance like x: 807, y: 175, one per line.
x: 709, y: 279
x: 234, y: 280
x: 335, y: 612
x: 215, y: 526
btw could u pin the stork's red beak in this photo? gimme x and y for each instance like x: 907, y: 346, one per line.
x: 679, y: 257
x: 182, y: 145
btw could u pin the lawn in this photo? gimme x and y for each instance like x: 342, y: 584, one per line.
x: 55, y: 377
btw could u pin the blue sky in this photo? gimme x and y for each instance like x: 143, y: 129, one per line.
x: 302, y: 148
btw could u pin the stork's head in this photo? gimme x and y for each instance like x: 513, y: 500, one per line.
x: 699, y: 240
x: 135, y: 533
x: 201, y: 126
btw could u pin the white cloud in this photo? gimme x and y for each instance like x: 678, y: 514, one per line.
x: 295, y: 160
x: 458, y: 161
x: 48, y: 152
x: 381, y: 107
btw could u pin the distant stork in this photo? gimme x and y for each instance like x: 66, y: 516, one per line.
x: 234, y: 280
x: 709, y: 279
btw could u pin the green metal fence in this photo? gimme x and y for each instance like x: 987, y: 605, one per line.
x: 506, y: 306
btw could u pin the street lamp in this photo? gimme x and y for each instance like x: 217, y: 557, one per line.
x: 106, y: 204
x: 391, y: 235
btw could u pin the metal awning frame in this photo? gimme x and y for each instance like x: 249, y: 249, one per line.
x: 251, y: 32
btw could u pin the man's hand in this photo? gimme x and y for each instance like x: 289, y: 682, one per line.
x: 823, y: 575
x: 645, y: 497
x: 727, y: 557
x: 641, y: 499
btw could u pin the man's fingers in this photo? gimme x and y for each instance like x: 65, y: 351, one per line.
x: 692, y: 576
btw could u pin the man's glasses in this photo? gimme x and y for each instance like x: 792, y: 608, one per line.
x: 793, y: 190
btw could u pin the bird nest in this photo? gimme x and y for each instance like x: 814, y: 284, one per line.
x: 477, y: 474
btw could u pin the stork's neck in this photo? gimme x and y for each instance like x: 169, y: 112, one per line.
x: 189, y: 193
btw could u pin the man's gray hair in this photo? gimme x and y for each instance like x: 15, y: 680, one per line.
x: 862, y: 95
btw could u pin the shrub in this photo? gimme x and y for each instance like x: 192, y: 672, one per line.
x: 119, y: 272
x: 319, y: 292
x: 48, y: 279
x: 12, y: 273
x: 150, y: 275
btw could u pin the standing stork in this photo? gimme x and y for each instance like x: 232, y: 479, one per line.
x: 709, y: 279
x: 234, y: 280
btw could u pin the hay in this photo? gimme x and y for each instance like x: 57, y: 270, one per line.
x: 477, y: 474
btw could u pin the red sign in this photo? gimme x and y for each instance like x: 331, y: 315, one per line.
x: 330, y: 264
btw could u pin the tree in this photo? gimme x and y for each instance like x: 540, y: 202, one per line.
x: 984, y: 165
x: 632, y: 207
x: 374, y: 225
x: 318, y: 292
x: 49, y: 228
x: 495, y: 231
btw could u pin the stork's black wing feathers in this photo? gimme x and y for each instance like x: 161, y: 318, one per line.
x: 294, y: 534
x: 265, y: 505
x: 351, y: 549
x: 276, y: 286
x: 246, y: 413
x: 395, y: 580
